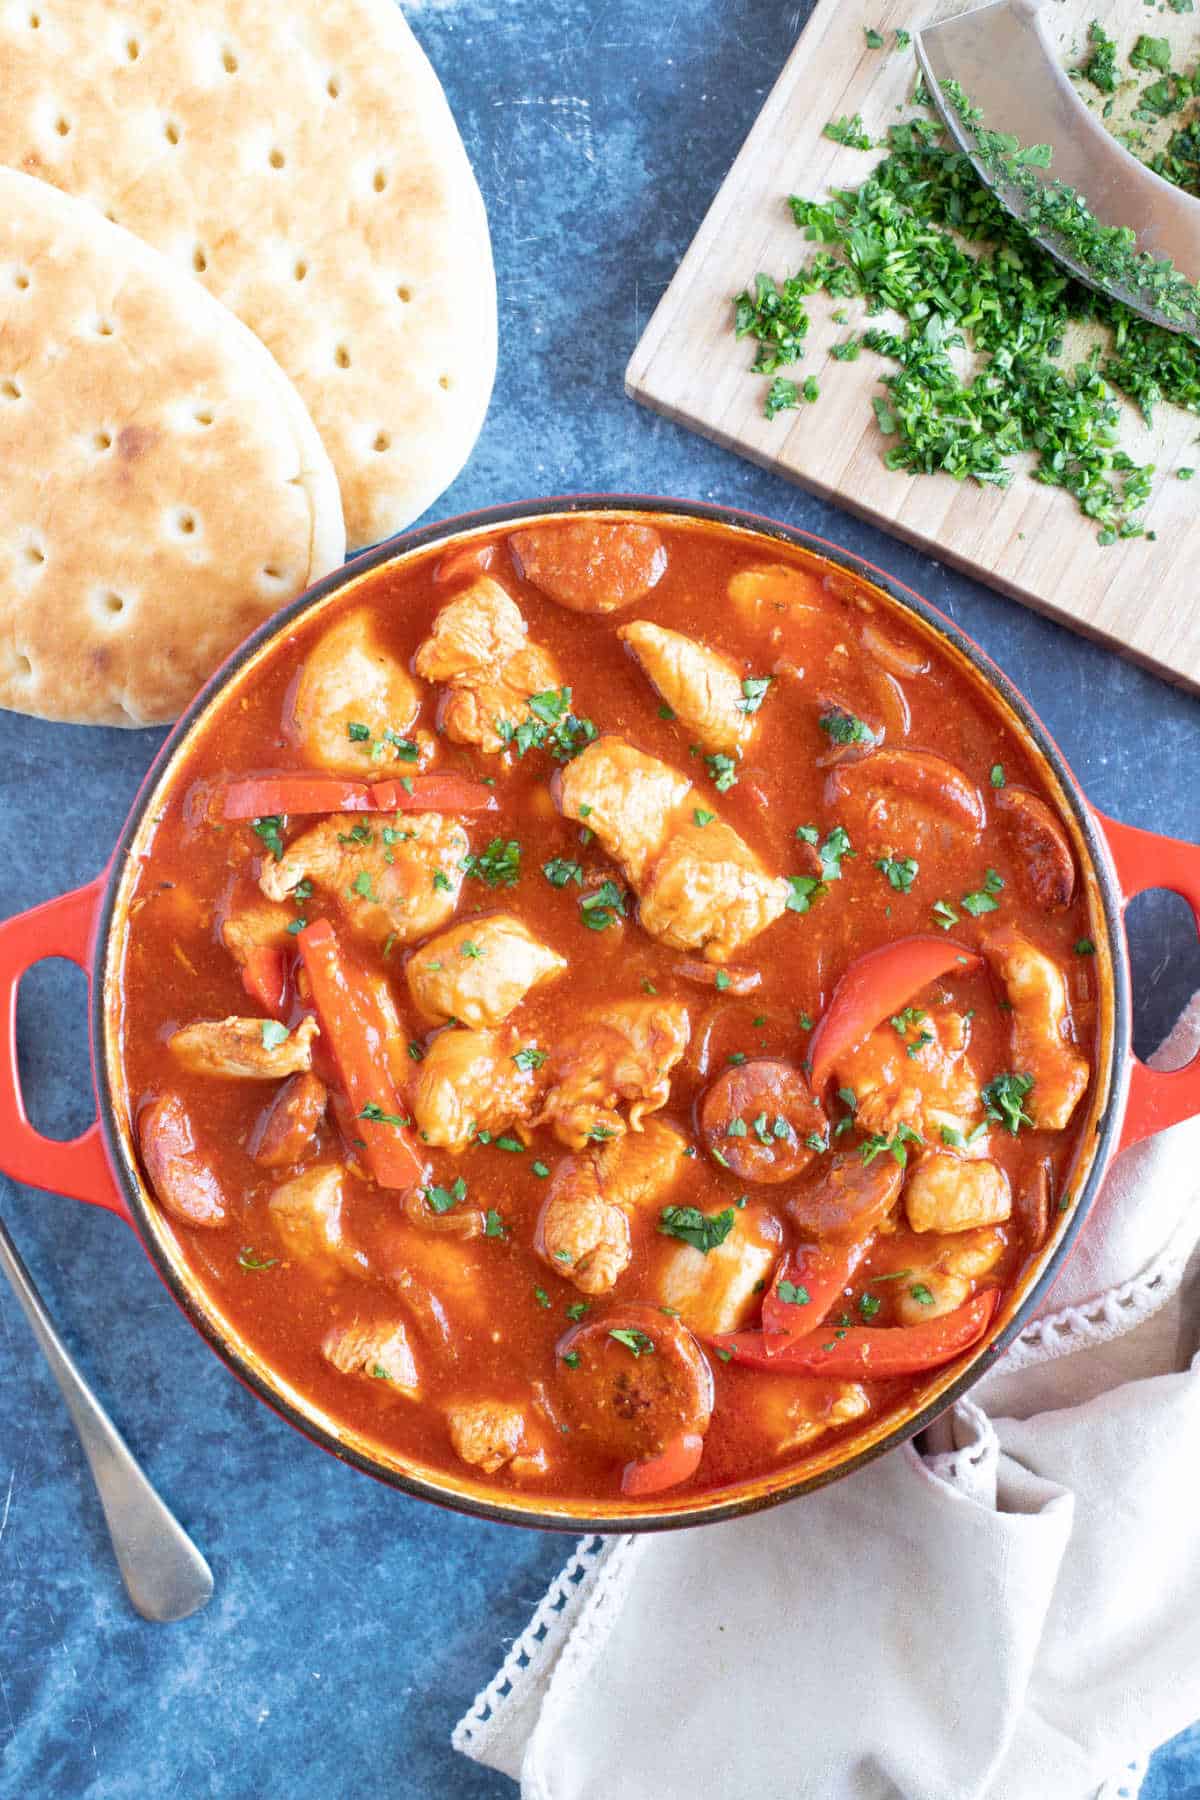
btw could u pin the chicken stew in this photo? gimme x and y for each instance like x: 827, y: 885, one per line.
x: 608, y: 1007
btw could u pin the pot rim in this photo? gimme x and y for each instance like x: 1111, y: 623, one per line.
x: 501, y: 1508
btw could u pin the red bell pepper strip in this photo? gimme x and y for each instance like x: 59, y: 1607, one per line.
x: 268, y: 796
x: 819, y: 1275
x: 354, y: 1031
x: 877, y: 985
x: 861, y: 1352
x: 264, y: 977
x: 680, y: 1459
x: 433, y: 793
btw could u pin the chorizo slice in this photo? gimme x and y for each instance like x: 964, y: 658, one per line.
x: 591, y: 565
x: 286, y: 1128
x: 633, y: 1381
x: 1031, y: 1205
x: 934, y: 784
x: 845, y: 1198
x: 183, y: 1181
x: 1043, y: 844
x: 757, y: 1119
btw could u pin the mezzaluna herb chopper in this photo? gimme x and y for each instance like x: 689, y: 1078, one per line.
x: 999, y: 85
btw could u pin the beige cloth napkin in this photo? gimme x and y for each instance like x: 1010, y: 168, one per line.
x: 1013, y: 1615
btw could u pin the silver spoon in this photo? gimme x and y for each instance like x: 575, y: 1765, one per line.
x: 164, y: 1574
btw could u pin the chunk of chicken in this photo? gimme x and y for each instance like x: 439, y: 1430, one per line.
x: 719, y: 1290
x: 307, y: 1215
x: 257, y: 924
x: 349, y: 680
x: 248, y: 1048
x: 631, y: 801
x: 582, y: 1234
x: 1041, y: 1021
x: 479, y: 971
x: 616, y: 1053
x: 583, y: 1231
x: 944, y: 1282
x: 792, y: 1414
x: 776, y: 593
x: 643, y: 1165
x: 183, y: 1180
x: 490, y: 1433
x: 946, y: 1192
x: 703, y: 689
x: 468, y: 1083
x: 402, y: 879
x: 935, y: 1088
x: 709, y: 892
x: 479, y: 648
x: 379, y: 1350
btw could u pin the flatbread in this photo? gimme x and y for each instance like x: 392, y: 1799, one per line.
x: 299, y: 157
x: 162, y: 488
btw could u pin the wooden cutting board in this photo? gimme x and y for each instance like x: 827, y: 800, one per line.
x: 1029, y: 541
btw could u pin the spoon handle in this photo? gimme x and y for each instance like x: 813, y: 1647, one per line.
x: 165, y: 1575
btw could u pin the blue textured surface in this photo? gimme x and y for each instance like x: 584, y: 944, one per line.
x: 351, y: 1626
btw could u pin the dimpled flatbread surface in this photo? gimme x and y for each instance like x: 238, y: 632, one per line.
x: 298, y: 157
x: 162, y: 488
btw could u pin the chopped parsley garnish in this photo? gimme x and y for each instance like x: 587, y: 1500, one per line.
x: 601, y: 908
x: 493, y: 1224
x: 529, y: 1058
x: 470, y: 950
x: 701, y: 817
x: 248, y: 1259
x: 809, y: 833
x: 558, y: 872
x: 1004, y: 1101
x: 358, y: 734
x: 805, y: 889
x: 416, y: 1050
x: 805, y: 1021
x: 723, y: 770
x: 835, y: 847
x: 358, y: 834
x: 721, y: 980
x: 704, y: 1231
x: 1084, y: 947
x: 302, y: 891
x: 901, y: 1022
x: 514, y: 1146
x: 376, y: 1113
x: 442, y: 1199
x: 270, y: 828
x: 542, y: 1298
x: 577, y: 1309
x: 297, y: 925
x: 896, y: 1146
x: 953, y: 1136
x: 637, y: 1341
x: 499, y: 865
x: 552, y: 726
x: 571, y: 1358
x: 274, y: 1034
x: 944, y: 913
x: 850, y: 131
x: 1101, y: 66
x: 901, y: 871
x: 754, y: 692
x: 793, y: 1293
x: 868, y: 1305
x: 984, y: 900
x: 362, y: 887
x: 841, y: 727
x: 441, y: 881
x: 921, y: 1294
x: 540, y: 1170
x: 874, y: 38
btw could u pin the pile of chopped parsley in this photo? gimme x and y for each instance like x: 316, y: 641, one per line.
x: 974, y: 375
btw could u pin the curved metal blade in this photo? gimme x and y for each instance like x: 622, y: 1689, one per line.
x: 1005, y: 62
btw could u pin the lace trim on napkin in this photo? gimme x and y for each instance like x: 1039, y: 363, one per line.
x: 540, y: 1641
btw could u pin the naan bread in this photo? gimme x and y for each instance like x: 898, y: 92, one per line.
x: 162, y: 488
x: 298, y: 157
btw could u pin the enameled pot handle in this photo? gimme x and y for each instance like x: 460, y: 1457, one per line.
x: 1157, y: 1098
x: 79, y: 1167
